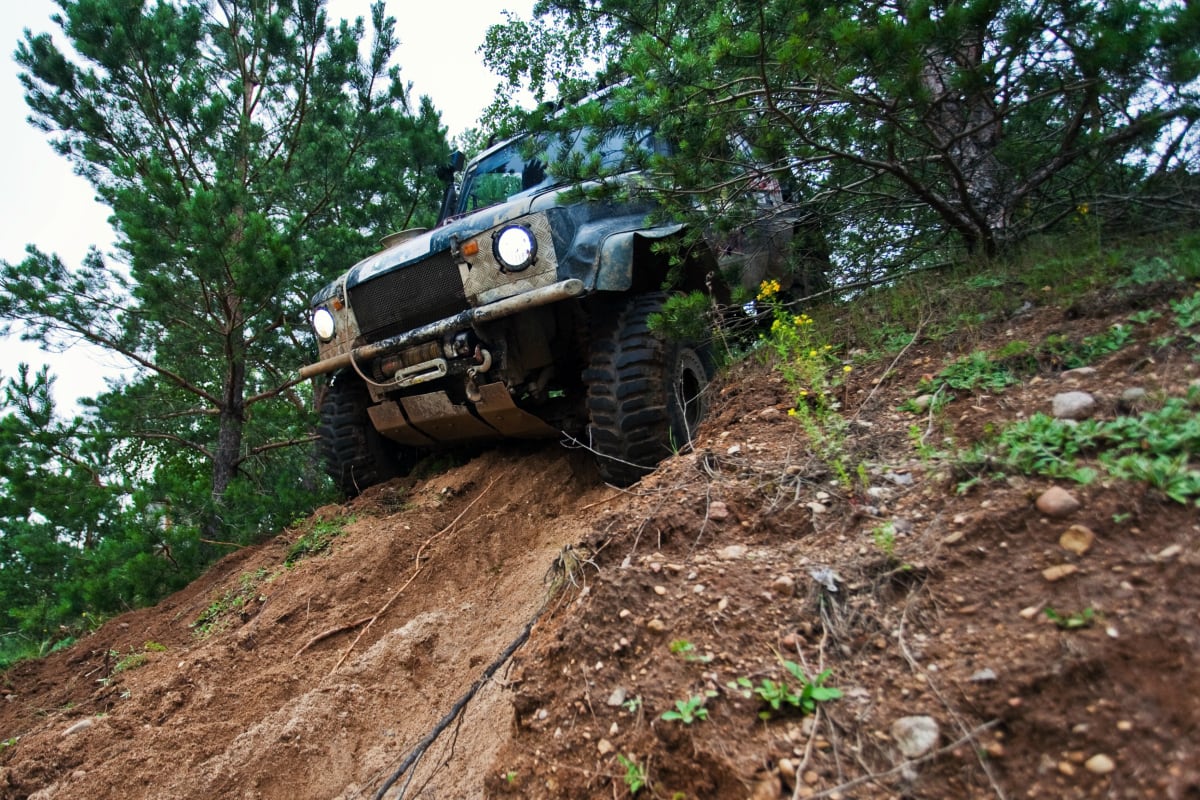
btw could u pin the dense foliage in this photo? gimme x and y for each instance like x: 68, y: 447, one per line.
x: 911, y: 128
x: 248, y: 151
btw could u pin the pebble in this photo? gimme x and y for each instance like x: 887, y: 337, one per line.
x: 718, y: 510
x: 1059, y: 571
x: 1057, y: 502
x: 784, y: 585
x: 921, y: 403
x: 604, y: 747
x: 656, y: 625
x: 660, y: 590
x: 732, y: 552
x: 1168, y: 552
x: 1100, y: 764
x: 770, y: 413
x: 983, y: 676
x: 1079, y: 372
x: 1131, y: 398
x: 1073, y: 405
x: 617, y: 698
x: 787, y: 769
x: 817, y: 508
x: 1077, y: 539
x: 915, y: 736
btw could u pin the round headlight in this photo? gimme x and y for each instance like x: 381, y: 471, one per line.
x: 515, y: 247
x: 323, y: 324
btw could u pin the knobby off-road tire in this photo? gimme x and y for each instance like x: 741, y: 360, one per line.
x: 646, y: 395
x: 355, y: 454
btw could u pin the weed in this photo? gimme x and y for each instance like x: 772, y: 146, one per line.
x: 510, y: 777
x: 1148, y: 271
x: 1156, y: 447
x: 220, y: 613
x: 690, y: 710
x: 635, y: 774
x: 633, y: 704
x: 687, y: 650
x: 1144, y: 317
x: 9, y: 742
x: 884, y: 537
x: 317, y: 539
x: 812, y: 372
x: 1070, y: 622
x: 779, y: 695
x: 977, y: 371
x: 1187, y: 311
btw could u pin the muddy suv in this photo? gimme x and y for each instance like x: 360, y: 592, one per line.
x: 525, y: 314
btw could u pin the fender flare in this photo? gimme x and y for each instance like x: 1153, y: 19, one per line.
x: 614, y: 269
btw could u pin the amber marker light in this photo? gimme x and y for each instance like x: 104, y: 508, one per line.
x: 469, y: 249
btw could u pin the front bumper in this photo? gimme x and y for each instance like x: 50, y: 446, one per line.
x: 555, y: 292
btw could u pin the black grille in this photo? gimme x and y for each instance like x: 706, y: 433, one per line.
x: 408, y: 297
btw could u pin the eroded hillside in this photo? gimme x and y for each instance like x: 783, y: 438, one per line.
x: 1032, y: 651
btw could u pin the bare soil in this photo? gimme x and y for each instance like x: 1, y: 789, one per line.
x: 321, y: 676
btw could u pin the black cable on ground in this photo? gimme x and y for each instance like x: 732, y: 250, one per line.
x: 456, y: 709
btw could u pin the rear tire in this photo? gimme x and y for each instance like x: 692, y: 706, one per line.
x: 356, y: 456
x: 646, y: 395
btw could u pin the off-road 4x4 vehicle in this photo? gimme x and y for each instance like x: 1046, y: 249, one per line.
x: 523, y: 314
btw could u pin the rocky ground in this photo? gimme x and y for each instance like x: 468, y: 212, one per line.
x: 1023, y: 638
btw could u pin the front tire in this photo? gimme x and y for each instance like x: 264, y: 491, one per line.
x: 646, y: 394
x: 356, y: 456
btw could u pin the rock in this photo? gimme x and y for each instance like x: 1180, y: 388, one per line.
x: 985, y: 675
x: 732, y: 553
x: 787, y: 770
x: 734, y: 449
x: 915, y: 736
x: 899, y: 478
x: 617, y: 698
x: 921, y: 404
x: 81, y: 725
x: 1099, y: 764
x: 1057, y: 502
x: 604, y: 747
x: 1079, y: 372
x: 656, y: 625
x: 1059, y: 571
x: 1132, y: 398
x: 1077, y: 539
x: 770, y: 413
x: 1169, y: 552
x: 660, y: 590
x: 718, y: 510
x: 817, y: 508
x: 1073, y: 405
x: 784, y: 585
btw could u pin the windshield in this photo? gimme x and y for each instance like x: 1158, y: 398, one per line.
x: 523, y: 166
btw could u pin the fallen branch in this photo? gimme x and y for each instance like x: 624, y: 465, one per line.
x: 320, y: 637
x: 456, y: 709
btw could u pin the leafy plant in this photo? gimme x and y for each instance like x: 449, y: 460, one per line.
x: 635, y: 774
x: 220, y: 612
x: 687, y: 650
x: 1081, y: 619
x: 1157, y: 447
x: 688, y: 711
x: 884, y: 537
x: 317, y: 539
x: 801, y: 693
x: 977, y: 371
x: 1187, y: 311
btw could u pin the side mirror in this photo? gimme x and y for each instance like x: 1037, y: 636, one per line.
x: 446, y: 173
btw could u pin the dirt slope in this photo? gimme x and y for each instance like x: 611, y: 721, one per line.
x: 728, y: 560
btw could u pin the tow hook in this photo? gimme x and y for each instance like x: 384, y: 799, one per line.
x: 484, y: 359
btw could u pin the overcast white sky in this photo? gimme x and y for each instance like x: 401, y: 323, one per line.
x: 43, y: 203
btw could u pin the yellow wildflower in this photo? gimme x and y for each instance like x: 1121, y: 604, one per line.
x: 812, y: 353
x: 847, y: 368
x: 768, y: 289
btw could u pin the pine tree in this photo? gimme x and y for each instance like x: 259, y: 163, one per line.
x: 248, y: 152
